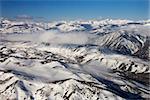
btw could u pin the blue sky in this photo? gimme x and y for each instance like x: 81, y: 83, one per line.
x: 76, y: 9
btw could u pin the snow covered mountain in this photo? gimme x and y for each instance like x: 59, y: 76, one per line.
x: 74, y: 60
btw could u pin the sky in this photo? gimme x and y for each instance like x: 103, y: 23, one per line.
x: 75, y: 9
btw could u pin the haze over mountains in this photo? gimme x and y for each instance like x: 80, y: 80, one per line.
x: 74, y: 60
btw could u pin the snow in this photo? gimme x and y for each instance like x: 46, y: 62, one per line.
x: 73, y: 62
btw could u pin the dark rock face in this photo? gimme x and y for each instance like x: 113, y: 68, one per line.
x: 143, y: 52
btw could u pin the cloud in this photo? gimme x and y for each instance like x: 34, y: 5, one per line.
x: 55, y: 37
x: 24, y: 17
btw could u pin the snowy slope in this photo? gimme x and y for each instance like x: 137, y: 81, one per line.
x: 80, y: 60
